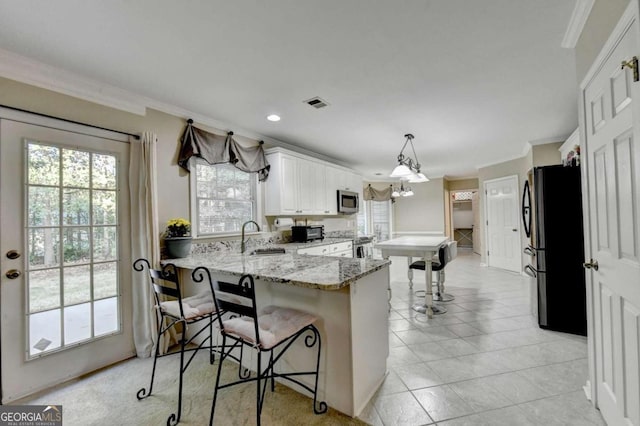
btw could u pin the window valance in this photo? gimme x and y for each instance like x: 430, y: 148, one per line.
x: 373, y: 194
x: 217, y: 149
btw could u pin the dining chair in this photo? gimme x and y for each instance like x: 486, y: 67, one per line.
x: 172, y: 309
x: 270, y: 332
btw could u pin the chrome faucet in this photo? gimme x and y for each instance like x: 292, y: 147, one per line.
x: 243, y: 244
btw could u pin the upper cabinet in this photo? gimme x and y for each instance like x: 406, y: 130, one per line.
x: 301, y: 185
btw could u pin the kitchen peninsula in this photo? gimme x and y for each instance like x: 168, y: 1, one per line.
x: 350, y: 298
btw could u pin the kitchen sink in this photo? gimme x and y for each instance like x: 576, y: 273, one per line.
x: 272, y: 250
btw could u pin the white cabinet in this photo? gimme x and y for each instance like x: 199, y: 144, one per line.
x: 341, y: 249
x: 293, y: 186
x: 300, y: 185
x: 344, y: 249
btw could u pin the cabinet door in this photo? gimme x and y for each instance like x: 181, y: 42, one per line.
x: 306, y: 186
x: 289, y: 185
x: 321, y: 205
x: 331, y: 190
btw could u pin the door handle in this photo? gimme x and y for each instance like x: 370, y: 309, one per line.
x: 633, y: 64
x: 592, y: 264
x: 13, y: 254
x: 514, y: 230
x: 12, y: 274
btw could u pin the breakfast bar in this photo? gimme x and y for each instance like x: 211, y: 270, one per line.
x: 349, y: 297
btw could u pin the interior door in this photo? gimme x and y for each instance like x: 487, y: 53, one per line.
x: 64, y: 292
x: 613, y: 162
x: 503, y: 223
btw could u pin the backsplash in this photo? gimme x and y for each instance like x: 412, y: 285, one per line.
x: 262, y: 240
x: 253, y: 242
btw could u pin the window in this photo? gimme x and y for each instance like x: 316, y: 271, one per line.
x: 376, y: 219
x: 225, y: 198
x: 72, y: 246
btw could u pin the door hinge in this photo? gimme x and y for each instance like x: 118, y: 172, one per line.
x: 487, y: 252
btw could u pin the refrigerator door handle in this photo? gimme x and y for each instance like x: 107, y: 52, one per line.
x: 529, y: 270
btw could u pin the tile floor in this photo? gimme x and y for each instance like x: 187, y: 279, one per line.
x: 484, y: 362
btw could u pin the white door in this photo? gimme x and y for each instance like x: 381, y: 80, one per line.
x: 613, y: 224
x: 64, y: 290
x: 503, y: 224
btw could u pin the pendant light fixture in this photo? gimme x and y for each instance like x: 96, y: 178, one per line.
x: 408, y: 168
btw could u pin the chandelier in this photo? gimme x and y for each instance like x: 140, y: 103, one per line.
x: 402, y: 191
x: 408, y: 168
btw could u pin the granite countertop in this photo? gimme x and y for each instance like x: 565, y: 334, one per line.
x: 321, y: 272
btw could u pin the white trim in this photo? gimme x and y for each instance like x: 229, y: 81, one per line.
x: 572, y: 140
x: 578, y: 19
x: 39, y: 74
x: 506, y: 160
x: 548, y: 140
x: 525, y: 150
x: 53, y: 123
x: 35, y: 73
x: 626, y: 20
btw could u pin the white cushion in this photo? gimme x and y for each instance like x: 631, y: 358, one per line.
x: 193, y: 306
x: 276, y: 324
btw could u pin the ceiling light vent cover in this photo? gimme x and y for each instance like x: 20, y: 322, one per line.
x: 317, y: 102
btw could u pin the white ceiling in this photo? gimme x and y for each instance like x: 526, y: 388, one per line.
x: 473, y: 80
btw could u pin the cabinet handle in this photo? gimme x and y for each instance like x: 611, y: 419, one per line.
x: 326, y: 211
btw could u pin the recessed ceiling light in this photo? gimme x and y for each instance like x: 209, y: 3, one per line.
x: 273, y: 117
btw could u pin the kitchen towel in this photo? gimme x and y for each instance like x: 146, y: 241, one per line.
x: 283, y: 222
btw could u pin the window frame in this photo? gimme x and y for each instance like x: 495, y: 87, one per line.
x: 193, y: 200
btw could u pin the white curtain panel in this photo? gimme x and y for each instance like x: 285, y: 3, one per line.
x: 145, y: 238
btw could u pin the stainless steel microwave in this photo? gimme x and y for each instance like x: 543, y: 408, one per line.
x: 348, y: 202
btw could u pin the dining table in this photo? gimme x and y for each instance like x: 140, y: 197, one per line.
x: 422, y: 246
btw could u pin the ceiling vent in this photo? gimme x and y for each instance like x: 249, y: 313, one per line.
x: 317, y: 102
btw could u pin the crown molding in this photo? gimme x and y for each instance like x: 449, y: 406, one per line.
x: 572, y: 140
x: 578, y: 19
x: 35, y: 73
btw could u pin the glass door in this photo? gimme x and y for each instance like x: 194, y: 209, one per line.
x: 65, y: 292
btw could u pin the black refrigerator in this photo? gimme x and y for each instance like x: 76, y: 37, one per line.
x: 559, y: 249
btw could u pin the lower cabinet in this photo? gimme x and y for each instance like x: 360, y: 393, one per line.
x: 344, y: 249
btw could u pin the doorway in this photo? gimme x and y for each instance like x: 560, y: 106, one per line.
x: 465, y: 219
x: 65, y: 296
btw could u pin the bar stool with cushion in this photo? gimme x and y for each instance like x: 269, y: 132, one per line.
x: 446, y: 253
x: 172, y: 309
x: 270, y: 332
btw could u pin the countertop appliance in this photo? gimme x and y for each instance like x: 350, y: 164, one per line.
x: 348, y: 202
x: 559, y: 249
x: 302, y: 234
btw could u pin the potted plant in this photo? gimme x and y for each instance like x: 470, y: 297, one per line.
x: 177, y: 238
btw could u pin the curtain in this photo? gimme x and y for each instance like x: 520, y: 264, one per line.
x: 145, y: 238
x: 216, y: 149
x: 373, y: 194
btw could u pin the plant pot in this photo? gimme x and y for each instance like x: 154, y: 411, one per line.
x: 177, y: 247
